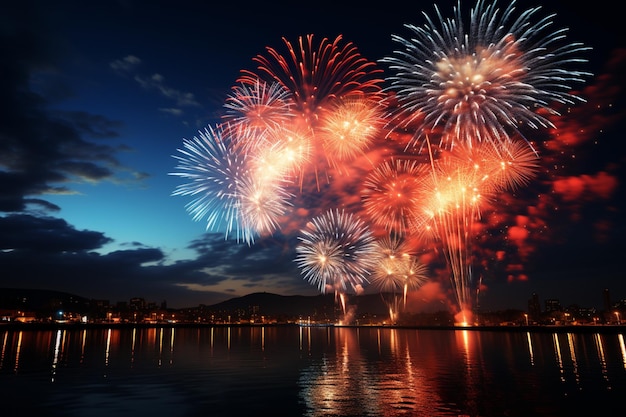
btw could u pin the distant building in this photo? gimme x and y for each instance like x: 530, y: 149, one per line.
x: 553, y: 305
x: 137, y: 303
x: 11, y: 315
x: 534, y: 307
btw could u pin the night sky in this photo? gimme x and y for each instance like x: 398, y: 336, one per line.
x: 97, y: 97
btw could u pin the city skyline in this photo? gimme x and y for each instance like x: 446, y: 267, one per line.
x: 102, y: 95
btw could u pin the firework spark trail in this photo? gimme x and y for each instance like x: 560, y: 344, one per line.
x: 315, y: 74
x: 396, y: 272
x: 336, y: 250
x: 348, y: 126
x: 454, y: 190
x: 485, y: 82
x: 260, y: 107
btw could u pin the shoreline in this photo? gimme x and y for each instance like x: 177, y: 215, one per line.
x: 596, y: 328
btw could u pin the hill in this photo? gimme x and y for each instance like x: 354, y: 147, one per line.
x: 264, y: 303
x: 299, y: 305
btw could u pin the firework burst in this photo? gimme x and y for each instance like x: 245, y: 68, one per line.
x: 397, y: 272
x: 348, y: 127
x: 261, y: 204
x: 454, y: 191
x: 514, y: 164
x: 506, y: 168
x: 258, y: 107
x: 223, y: 188
x: 336, y: 251
x: 415, y: 275
x: 387, y: 277
x: 482, y: 82
x: 391, y: 193
x: 315, y: 75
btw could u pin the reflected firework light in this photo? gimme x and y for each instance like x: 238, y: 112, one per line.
x: 483, y: 79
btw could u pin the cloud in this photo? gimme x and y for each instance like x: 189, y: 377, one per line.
x: 41, y: 150
x: 47, y: 252
x: 22, y: 232
x: 125, y: 65
x: 172, y: 111
x: 237, y: 267
x: 157, y: 82
x: 128, y: 67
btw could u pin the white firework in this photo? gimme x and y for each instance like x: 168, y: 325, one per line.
x: 336, y: 250
x: 484, y: 81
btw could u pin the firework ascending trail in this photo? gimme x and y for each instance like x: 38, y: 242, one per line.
x: 481, y: 82
x: 455, y: 190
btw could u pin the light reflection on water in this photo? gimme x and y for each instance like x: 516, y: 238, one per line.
x: 308, y: 371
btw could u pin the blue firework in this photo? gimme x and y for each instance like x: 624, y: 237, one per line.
x: 215, y: 172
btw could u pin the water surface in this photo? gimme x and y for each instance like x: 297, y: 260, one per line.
x: 309, y: 371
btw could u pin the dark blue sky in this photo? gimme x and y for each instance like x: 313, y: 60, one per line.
x: 97, y: 97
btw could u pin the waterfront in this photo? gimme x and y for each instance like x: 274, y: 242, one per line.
x: 310, y: 371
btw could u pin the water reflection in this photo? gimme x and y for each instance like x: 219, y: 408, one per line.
x: 17, y: 351
x: 379, y: 380
x: 57, y: 350
x: 622, y: 347
x: 572, y: 349
x: 600, y: 347
x: 530, y: 348
x: 559, y: 359
x: 4, y: 348
x: 319, y: 371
